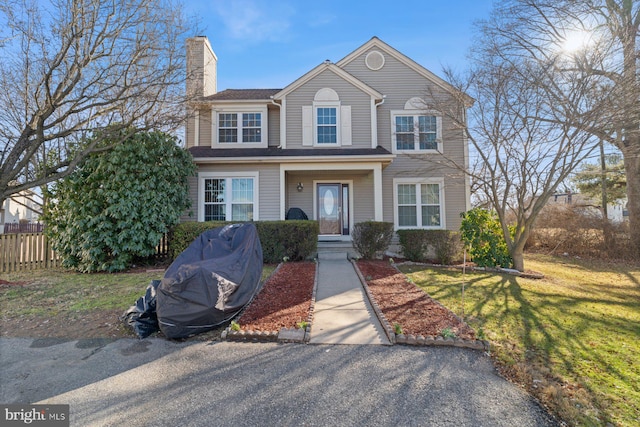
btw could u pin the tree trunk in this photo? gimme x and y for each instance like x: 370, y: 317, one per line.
x: 518, y: 259
x: 632, y: 169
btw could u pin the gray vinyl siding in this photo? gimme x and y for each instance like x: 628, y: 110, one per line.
x: 205, y: 128
x: 189, y: 131
x: 400, y: 83
x: 268, y: 191
x: 361, y: 192
x: 359, y: 101
x: 274, y: 126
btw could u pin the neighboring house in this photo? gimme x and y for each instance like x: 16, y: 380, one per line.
x: 21, y: 208
x: 616, y: 211
x: 351, y: 141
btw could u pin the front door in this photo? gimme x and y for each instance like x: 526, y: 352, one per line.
x: 330, y: 208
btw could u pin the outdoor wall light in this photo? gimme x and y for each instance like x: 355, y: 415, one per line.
x: 300, y: 186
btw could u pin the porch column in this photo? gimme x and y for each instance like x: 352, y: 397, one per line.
x: 377, y: 191
x: 282, y: 193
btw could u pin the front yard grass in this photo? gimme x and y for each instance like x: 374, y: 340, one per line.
x: 572, y: 339
x: 56, y: 293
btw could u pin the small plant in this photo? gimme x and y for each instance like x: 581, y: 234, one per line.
x: 235, y: 326
x: 447, y: 333
x: 302, y: 325
x: 391, y: 261
x: 397, y: 329
x: 285, y: 259
x: 481, y: 335
x: 368, y: 278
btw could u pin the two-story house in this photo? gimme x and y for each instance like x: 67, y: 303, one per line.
x: 351, y: 141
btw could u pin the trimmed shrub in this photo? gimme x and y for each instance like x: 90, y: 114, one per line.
x: 445, y: 244
x: 414, y: 244
x: 296, y: 240
x: 372, y: 237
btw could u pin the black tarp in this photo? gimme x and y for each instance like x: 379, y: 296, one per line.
x: 208, y: 284
x: 211, y: 281
x: 141, y: 316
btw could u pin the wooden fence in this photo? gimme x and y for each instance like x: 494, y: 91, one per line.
x: 29, y: 227
x: 26, y: 251
x: 31, y: 251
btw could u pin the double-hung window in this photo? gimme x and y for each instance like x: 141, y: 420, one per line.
x: 239, y: 128
x: 416, y: 132
x: 418, y: 204
x: 327, y: 125
x: 228, y: 198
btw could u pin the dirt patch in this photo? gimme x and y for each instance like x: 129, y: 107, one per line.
x: 408, y: 306
x: 284, y: 301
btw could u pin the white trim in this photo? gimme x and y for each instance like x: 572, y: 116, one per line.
x: 385, y: 48
x: 384, y: 158
x: 224, y: 175
x: 416, y: 113
x: 349, y: 183
x: 374, y: 124
x: 376, y: 167
x: 239, y: 110
x: 327, y: 66
x: 327, y: 104
x: 283, y: 124
x: 418, y: 181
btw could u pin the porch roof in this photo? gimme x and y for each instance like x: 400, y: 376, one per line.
x: 277, y: 155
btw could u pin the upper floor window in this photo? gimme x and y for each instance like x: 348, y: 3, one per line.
x: 416, y: 132
x: 327, y: 129
x: 239, y: 127
x: 326, y: 122
x: 416, y: 128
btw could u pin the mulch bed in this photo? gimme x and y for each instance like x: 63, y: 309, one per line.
x: 405, y: 304
x: 283, y: 301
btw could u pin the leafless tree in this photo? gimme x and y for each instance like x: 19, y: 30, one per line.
x: 72, y: 69
x: 597, y: 39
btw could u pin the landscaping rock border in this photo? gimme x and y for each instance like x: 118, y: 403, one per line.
x: 284, y: 335
x: 415, y: 340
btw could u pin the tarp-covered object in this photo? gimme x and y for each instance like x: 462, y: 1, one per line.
x: 211, y: 281
x: 141, y: 316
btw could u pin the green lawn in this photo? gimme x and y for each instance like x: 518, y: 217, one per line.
x: 572, y: 338
x: 57, y: 292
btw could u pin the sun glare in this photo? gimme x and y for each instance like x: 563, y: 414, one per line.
x: 576, y: 41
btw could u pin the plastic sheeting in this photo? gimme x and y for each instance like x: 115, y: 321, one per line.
x: 141, y: 316
x: 211, y: 281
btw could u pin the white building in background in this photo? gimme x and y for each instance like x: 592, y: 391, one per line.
x: 616, y: 212
x: 22, y: 207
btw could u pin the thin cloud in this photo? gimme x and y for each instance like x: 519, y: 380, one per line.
x: 256, y: 21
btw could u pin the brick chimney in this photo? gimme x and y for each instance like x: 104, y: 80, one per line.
x: 202, y: 64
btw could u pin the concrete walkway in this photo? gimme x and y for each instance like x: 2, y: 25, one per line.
x: 342, y: 313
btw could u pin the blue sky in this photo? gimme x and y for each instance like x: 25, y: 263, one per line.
x: 270, y: 43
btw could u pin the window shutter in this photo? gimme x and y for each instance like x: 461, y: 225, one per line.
x: 307, y: 125
x: 214, y: 127
x: 345, y: 124
x: 439, y: 129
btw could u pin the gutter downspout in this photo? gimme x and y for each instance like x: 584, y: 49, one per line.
x: 374, y: 121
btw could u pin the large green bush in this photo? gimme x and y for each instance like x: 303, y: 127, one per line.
x: 445, y: 244
x: 295, y: 240
x: 119, y: 203
x: 482, y: 233
x: 371, y: 238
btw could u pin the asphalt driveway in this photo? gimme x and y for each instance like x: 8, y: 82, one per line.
x: 159, y: 382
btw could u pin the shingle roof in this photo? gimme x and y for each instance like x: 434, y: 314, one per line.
x: 241, y: 94
x: 208, y: 152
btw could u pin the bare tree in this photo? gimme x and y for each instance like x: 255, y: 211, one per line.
x: 599, y: 40
x: 78, y: 68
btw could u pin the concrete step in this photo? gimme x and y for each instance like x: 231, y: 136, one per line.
x: 331, y: 255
